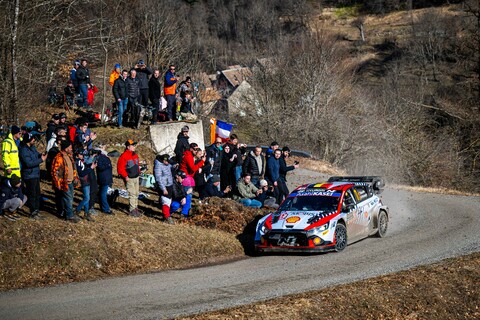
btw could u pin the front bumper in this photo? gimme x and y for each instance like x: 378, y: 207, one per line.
x: 262, y: 248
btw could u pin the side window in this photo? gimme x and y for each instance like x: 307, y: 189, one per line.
x: 348, y: 198
x: 360, y: 193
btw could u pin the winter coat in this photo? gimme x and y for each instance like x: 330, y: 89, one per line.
x: 73, y: 77
x: 113, y: 77
x: 154, y: 90
x: 9, y: 192
x: 251, y: 165
x: 246, y: 190
x: 51, y: 126
x: 170, y: 83
x: 128, y: 165
x: 163, y: 174
x: 178, y: 192
x: 83, y: 75
x: 84, y: 171
x: 212, y: 191
x: 284, y: 168
x: 239, y: 152
x: 273, y: 169
x: 142, y: 75
x: 120, y: 89
x: 30, y: 160
x: 60, y: 172
x: 181, y: 146
x: 10, y: 157
x: 104, y: 170
x: 214, y: 155
x: 227, y: 173
x: 133, y: 88
x: 188, y: 164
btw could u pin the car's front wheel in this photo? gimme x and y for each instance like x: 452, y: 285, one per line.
x: 340, y: 237
x: 382, y: 224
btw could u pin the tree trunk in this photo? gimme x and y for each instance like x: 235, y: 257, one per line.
x: 14, y: 96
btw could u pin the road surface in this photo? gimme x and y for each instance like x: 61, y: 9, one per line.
x: 423, y: 228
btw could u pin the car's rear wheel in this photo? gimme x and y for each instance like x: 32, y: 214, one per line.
x: 340, y: 237
x: 382, y: 224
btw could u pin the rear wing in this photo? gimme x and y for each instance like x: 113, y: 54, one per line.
x: 376, y: 182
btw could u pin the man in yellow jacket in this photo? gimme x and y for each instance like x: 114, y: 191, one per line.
x: 11, y: 160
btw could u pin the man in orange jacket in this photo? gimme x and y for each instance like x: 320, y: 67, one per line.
x: 115, y: 74
x: 170, y: 90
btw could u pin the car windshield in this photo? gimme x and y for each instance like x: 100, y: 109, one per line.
x: 310, y: 203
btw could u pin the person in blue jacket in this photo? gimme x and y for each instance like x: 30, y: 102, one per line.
x: 105, y: 180
x: 30, y: 160
x: 273, y: 173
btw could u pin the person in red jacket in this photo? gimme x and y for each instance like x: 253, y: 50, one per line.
x: 188, y: 164
x: 128, y: 167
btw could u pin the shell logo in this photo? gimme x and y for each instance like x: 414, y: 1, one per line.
x: 293, y: 219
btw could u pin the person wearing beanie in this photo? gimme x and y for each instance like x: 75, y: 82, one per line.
x: 212, y: 188
x: 11, y: 197
x: 64, y: 179
x: 30, y: 160
x: 128, y: 167
x: 11, y: 160
x: 115, y: 74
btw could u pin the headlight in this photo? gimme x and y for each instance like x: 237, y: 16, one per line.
x: 317, y: 230
x: 263, y: 229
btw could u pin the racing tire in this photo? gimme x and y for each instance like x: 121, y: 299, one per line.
x: 340, y: 237
x: 382, y: 224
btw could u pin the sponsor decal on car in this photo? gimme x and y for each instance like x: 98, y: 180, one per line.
x: 293, y: 219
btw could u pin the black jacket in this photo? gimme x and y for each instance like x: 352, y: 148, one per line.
x: 212, y: 191
x: 178, y: 193
x: 181, y: 146
x: 133, y: 88
x: 83, y: 76
x: 30, y: 160
x: 154, y: 89
x: 284, y: 168
x: 51, y: 126
x: 120, y: 89
x: 104, y: 170
x: 250, y: 165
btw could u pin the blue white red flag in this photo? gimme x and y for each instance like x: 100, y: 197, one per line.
x: 220, y: 129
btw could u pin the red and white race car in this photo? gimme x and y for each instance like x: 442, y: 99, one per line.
x: 325, y: 216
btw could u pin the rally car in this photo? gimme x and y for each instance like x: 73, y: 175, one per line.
x: 325, y: 216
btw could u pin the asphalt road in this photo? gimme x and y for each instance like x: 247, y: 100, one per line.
x: 423, y: 228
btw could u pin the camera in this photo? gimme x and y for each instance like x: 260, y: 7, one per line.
x: 296, y: 162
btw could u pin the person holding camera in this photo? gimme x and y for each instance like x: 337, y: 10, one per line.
x: 30, y: 160
x: 284, y: 169
x: 143, y: 72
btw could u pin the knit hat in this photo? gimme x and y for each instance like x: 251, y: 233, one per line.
x: 62, y: 115
x: 14, y: 180
x: 27, y: 137
x: 185, y: 129
x: 263, y: 183
x: 56, y: 116
x: 215, y: 178
x: 141, y: 62
x: 117, y: 66
x: 15, y: 129
x: 65, y: 144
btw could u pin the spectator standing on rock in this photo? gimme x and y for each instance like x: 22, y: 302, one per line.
x: 120, y: 92
x: 155, y: 94
x: 133, y: 89
x: 182, y: 144
x: 170, y: 90
x: 128, y: 167
x: 11, y: 160
x: 83, y: 78
x: 64, y: 179
x: 143, y: 72
x: 162, y: 169
x: 30, y: 160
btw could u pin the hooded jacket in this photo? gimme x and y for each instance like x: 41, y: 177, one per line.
x: 30, y: 159
x: 10, y: 157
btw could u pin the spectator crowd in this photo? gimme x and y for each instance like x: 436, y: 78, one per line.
x: 226, y: 169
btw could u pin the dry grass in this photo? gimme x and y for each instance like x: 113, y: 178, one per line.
x: 445, y: 290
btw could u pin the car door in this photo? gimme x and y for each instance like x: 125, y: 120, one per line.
x: 349, y: 208
x: 365, y: 208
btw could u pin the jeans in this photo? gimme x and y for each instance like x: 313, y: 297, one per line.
x: 186, y: 207
x: 67, y: 202
x: 122, y: 106
x: 85, y: 200
x: 84, y: 94
x: 171, y: 107
x: 103, y: 199
x: 238, y: 173
x: 251, y: 203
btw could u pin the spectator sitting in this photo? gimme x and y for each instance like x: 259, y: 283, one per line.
x: 212, y: 188
x: 179, y: 197
x: 267, y: 197
x: 248, y: 192
x: 186, y: 111
x: 69, y: 92
x: 11, y: 197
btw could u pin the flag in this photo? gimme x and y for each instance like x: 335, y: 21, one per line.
x: 219, y: 129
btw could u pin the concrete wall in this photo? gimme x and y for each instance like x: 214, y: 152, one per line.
x: 164, y: 135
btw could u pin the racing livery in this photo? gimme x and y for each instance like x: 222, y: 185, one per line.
x: 325, y: 216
